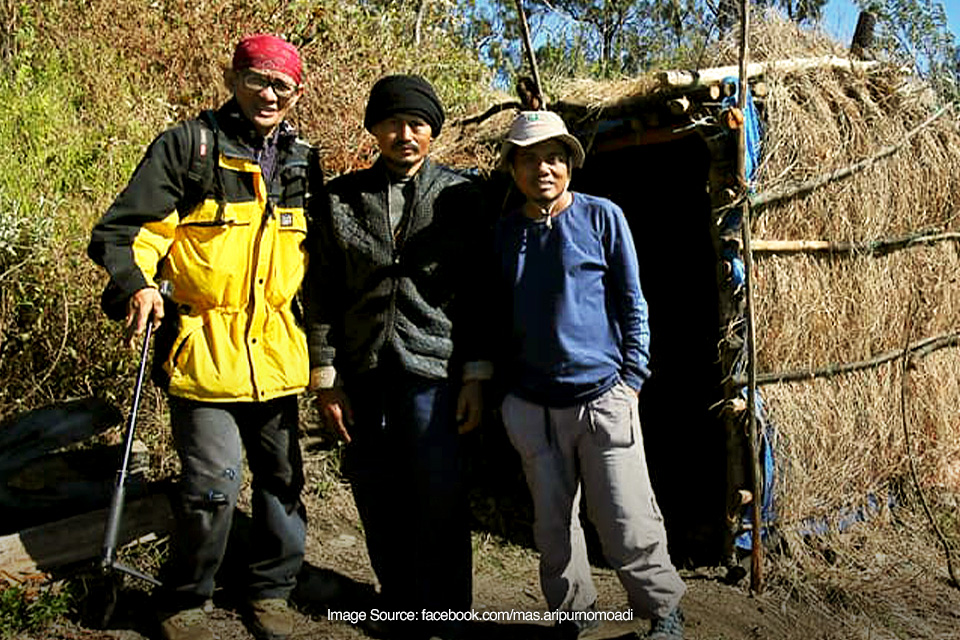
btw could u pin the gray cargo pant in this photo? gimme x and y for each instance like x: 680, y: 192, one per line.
x: 211, y: 439
x: 596, y: 446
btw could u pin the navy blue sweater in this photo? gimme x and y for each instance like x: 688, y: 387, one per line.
x: 574, y: 316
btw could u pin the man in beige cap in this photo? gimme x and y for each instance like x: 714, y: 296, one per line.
x: 575, y: 332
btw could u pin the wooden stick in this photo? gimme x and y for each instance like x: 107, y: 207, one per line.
x: 907, y: 442
x: 704, y: 77
x: 531, y: 56
x: 771, y: 196
x: 863, y: 35
x: 756, y: 548
x: 882, y: 245
x: 919, y: 349
x: 492, y: 111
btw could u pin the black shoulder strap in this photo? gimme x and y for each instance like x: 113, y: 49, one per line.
x: 204, y: 172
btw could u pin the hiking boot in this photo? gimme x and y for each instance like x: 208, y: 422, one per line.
x: 270, y: 619
x: 189, y: 624
x: 669, y: 628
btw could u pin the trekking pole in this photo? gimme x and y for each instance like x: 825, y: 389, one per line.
x: 108, y: 561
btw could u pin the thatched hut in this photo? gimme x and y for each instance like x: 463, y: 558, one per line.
x: 855, y: 248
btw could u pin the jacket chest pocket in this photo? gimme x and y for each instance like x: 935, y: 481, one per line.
x: 209, y: 261
x: 289, y: 256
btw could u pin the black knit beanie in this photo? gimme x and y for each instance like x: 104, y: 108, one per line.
x: 406, y: 93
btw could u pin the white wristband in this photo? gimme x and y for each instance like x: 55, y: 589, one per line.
x: 324, y: 377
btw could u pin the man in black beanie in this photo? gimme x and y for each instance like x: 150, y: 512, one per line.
x: 394, y: 351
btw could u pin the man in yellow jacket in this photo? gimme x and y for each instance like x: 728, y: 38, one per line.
x: 215, y: 213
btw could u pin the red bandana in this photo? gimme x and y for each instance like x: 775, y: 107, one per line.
x: 264, y: 51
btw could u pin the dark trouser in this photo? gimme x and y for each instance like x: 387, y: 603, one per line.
x: 405, y: 471
x: 210, y: 439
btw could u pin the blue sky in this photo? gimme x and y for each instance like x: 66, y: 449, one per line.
x: 840, y: 18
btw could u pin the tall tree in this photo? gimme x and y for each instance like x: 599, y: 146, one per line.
x: 916, y: 32
x: 607, y: 18
x: 605, y: 38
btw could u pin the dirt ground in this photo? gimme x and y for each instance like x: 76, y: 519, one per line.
x: 338, y: 577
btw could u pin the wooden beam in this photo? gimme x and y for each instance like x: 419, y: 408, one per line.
x: 43, y: 548
x: 792, y: 246
x: 704, y: 77
x: 756, y: 546
x: 490, y: 112
x: 883, y: 245
x: 679, y: 106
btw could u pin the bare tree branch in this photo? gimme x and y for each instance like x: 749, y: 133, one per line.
x: 418, y: 28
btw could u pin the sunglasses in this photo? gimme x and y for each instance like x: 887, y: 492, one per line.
x: 256, y: 82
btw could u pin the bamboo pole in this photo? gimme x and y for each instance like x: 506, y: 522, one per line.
x: 756, y: 552
x: 706, y: 77
x: 881, y: 245
x: 531, y: 57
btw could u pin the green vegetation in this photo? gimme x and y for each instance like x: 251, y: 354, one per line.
x: 54, y: 165
x: 86, y: 86
x: 24, y: 610
x: 916, y: 33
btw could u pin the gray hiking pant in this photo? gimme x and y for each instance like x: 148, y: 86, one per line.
x: 211, y: 439
x: 596, y: 446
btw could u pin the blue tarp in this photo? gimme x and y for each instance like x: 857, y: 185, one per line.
x: 751, y: 124
x: 845, y: 518
x: 768, y: 471
x: 752, y: 146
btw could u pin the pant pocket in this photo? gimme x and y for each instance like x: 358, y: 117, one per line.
x: 612, y: 416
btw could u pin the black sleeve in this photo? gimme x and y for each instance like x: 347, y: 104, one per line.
x: 156, y: 188
x: 323, y: 284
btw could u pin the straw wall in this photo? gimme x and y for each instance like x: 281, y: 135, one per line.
x: 842, y: 438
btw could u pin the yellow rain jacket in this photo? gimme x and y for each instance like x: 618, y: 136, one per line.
x: 231, y: 247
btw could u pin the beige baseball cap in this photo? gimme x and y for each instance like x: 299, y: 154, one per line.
x: 531, y: 127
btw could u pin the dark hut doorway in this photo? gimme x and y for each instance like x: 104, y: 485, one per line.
x: 662, y: 190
